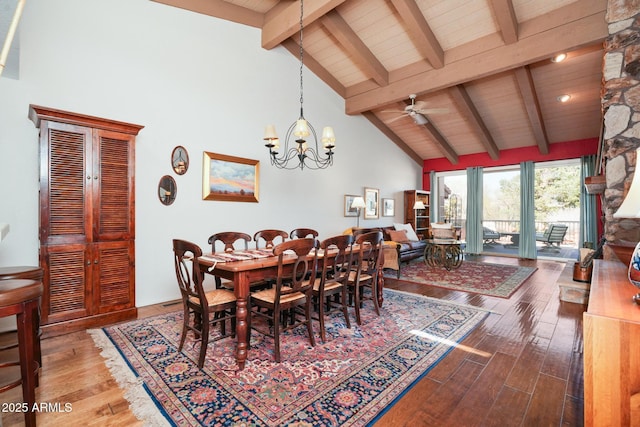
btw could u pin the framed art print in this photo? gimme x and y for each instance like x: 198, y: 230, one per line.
x: 229, y: 178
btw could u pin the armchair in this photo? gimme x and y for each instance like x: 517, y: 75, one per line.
x: 553, y: 235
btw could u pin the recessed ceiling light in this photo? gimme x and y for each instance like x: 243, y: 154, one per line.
x: 563, y: 98
x: 559, y: 57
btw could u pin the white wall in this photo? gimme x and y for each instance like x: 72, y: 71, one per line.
x: 191, y: 80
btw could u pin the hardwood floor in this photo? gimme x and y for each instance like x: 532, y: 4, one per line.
x: 521, y: 367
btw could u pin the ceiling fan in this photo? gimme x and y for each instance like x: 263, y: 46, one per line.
x: 416, y: 110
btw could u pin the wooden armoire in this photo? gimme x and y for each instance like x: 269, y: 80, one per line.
x: 87, y: 219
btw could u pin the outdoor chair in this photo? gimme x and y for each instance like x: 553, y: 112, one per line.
x: 553, y: 235
x: 489, y: 236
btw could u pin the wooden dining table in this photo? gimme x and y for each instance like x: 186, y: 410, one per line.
x: 242, y: 274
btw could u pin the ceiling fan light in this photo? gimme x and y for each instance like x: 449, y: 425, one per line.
x: 419, y: 119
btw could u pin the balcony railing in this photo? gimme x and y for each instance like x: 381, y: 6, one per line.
x: 510, y: 226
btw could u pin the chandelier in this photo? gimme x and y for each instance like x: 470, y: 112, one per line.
x: 297, y: 153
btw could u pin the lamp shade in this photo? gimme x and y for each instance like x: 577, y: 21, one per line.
x: 419, y: 204
x: 358, y: 203
x: 270, y: 133
x: 630, y: 207
x: 328, y: 137
x: 302, y: 129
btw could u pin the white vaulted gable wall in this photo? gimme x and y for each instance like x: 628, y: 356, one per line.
x: 190, y: 80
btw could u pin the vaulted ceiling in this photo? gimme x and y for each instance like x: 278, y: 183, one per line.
x: 481, y: 70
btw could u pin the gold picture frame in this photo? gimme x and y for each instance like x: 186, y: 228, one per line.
x: 372, y: 203
x: 230, y: 178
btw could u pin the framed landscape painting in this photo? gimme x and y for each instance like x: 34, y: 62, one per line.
x: 229, y: 178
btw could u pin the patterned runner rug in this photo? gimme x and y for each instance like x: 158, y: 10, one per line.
x: 496, y: 280
x: 348, y: 381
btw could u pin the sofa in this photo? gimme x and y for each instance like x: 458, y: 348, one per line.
x: 395, y: 252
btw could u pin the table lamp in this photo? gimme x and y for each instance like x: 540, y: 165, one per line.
x: 630, y: 208
x: 358, y: 204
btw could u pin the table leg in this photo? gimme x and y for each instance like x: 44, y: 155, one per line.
x: 241, y: 288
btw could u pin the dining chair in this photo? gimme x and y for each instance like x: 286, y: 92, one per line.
x: 292, y: 290
x: 199, y: 305
x: 367, y: 262
x: 229, y: 239
x: 301, y: 233
x: 270, y: 238
x: 333, y: 278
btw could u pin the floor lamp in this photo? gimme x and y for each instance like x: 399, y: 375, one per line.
x: 358, y: 204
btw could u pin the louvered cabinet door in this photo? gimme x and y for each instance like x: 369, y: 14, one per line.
x: 65, y: 178
x: 67, y: 282
x: 113, y: 186
x: 113, y: 276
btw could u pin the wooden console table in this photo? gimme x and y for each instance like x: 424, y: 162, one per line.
x: 611, y: 349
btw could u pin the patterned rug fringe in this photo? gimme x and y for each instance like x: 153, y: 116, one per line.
x: 140, y: 403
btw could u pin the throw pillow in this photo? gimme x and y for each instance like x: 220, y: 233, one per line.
x: 398, y: 235
x: 411, y: 234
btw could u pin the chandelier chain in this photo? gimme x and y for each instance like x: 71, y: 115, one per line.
x: 301, y: 57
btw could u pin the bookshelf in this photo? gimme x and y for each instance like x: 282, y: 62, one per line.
x: 419, y: 218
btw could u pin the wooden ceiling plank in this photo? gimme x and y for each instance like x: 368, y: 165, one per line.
x: 442, y: 143
x: 528, y: 92
x: 219, y: 9
x: 358, y: 51
x: 570, y: 36
x: 382, y: 127
x: 316, y: 68
x: 470, y: 113
x: 282, y: 23
x: 507, y: 21
x: 424, y: 39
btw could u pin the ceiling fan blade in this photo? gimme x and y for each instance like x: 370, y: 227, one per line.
x: 432, y: 110
x: 392, y: 111
x: 397, y: 118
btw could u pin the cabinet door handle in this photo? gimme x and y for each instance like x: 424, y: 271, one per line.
x: 95, y: 262
x: 89, y: 262
x: 88, y: 176
x: 95, y: 177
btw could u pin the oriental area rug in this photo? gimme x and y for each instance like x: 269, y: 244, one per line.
x: 350, y: 380
x: 496, y: 280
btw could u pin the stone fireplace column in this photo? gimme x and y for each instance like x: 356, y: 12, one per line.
x: 621, y: 104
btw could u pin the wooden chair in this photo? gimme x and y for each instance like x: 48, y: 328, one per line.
x: 333, y: 278
x: 229, y: 240
x: 198, y: 305
x: 553, y: 235
x: 367, y: 262
x: 270, y: 238
x: 292, y: 290
x: 301, y: 233
x: 21, y: 298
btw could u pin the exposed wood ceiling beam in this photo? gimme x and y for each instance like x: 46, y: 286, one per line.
x: 220, y: 9
x: 315, y: 67
x: 444, y: 146
x: 564, y: 37
x: 528, y: 92
x: 424, y: 39
x: 282, y: 23
x: 392, y: 136
x: 357, y: 50
x: 507, y: 21
x: 469, y: 111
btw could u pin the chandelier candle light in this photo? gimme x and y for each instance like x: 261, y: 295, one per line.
x: 296, y: 146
